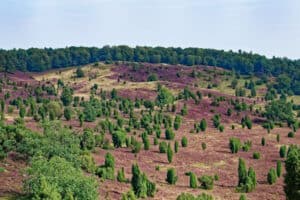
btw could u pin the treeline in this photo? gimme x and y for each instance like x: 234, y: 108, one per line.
x: 34, y: 59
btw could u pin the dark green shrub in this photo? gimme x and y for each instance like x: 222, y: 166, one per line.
x: 193, y: 180
x: 234, y: 145
x: 282, y: 151
x: 207, y: 182
x: 169, y: 153
x: 163, y: 147
x: 184, y: 141
x: 263, y: 141
x: 272, y: 176
x: 169, y: 134
x: 171, y: 176
x: 203, y: 125
x: 119, y: 138
x: 291, y: 134
x: 121, y: 176
x: 256, y: 155
x: 278, y: 168
x: 176, y: 146
x: 203, y: 145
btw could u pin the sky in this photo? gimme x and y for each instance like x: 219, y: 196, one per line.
x: 268, y: 27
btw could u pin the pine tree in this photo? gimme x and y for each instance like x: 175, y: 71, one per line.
x: 272, y: 176
x: 203, y: 125
x: 193, y: 180
x: 169, y: 153
x: 278, y: 168
x: 242, y: 172
x: 176, y: 146
x: 171, y: 176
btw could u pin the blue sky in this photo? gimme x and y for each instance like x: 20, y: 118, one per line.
x: 270, y: 27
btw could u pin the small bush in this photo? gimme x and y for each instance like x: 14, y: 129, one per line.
x: 282, y: 151
x: 176, y: 146
x: 163, y: 147
x: 203, y: 145
x: 256, y: 155
x: 278, y: 168
x: 184, y: 141
x: 234, y: 145
x: 263, y: 141
x: 193, y: 180
x: 272, y: 176
x: 207, y: 182
x: 169, y: 134
x: 171, y: 176
x: 291, y: 134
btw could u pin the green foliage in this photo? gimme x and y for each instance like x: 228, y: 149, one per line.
x: 66, y: 96
x: 280, y: 110
x: 88, y: 140
x: 216, y: 120
x: 164, y: 97
x: 141, y: 186
x: 291, y: 134
x: 278, y: 138
x: 256, y: 155
x: 135, y: 145
x: 272, y: 176
x: 107, y: 171
x: 292, y: 176
x: 187, y: 196
x: 171, y: 176
x: 263, y: 141
x: 282, y: 151
x: 169, y: 134
x: 87, y: 163
x: 246, y: 121
x: 79, y: 73
x: 163, y: 147
x: 177, y: 122
x: 193, y: 180
x: 129, y: 196
x: 234, y: 145
x: 55, y: 110
x: 207, y: 182
x: 67, y: 113
x: 176, y: 146
x: 203, y: 145
x: 184, y: 141
x: 247, y: 180
x: 170, y: 153
x: 242, y: 172
x: 243, y: 197
x: 119, y: 138
x: 278, y: 168
x: 22, y: 111
x: 57, y: 179
x: 184, y: 110
x: 89, y: 113
x: 152, y: 77
x: 121, y: 176
x: 203, y: 125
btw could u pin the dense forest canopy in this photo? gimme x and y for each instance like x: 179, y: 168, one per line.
x: 36, y: 60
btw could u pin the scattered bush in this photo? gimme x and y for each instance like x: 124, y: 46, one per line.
x: 207, y: 182
x: 272, y: 176
x: 234, y: 145
x: 163, y: 147
x: 282, y: 151
x: 256, y: 155
x: 171, y: 176
x: 184, y: 141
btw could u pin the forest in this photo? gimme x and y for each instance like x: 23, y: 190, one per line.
x: 37, y: 60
